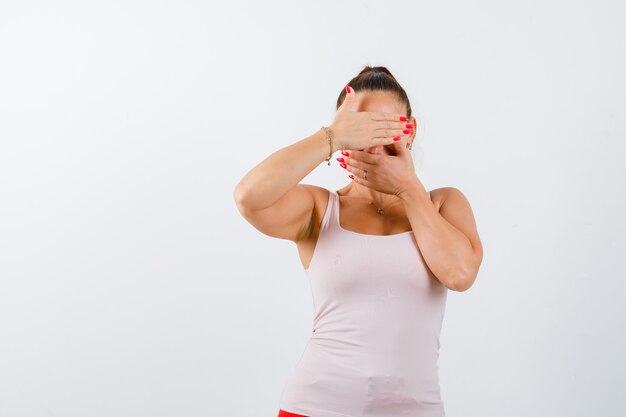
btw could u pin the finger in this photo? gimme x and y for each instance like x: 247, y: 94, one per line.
x: 386, y: 140
x: 391, y: 133
x: 383, y: 116
x: 360, y: 180
x: 369, y: 158
x: 362, y: 165
x: 360, y: 155
x: 395, y: 125
x: 350, y: 102
x: 357, y: 172
x: 354, y: 153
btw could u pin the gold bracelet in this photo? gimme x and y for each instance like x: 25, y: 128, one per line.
x: 330, y: 142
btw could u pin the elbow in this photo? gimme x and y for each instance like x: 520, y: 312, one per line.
x: 466, y: 276
x: 463, y: 281
x: 460, y: 285
x: 240, y: 195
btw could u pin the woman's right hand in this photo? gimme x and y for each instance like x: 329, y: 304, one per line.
x: 359, y: 130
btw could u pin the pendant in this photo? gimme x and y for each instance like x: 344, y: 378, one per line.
x: 379, y: 210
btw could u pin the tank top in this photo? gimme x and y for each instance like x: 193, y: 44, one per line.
x: 374, y: 345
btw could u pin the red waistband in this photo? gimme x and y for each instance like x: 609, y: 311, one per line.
x: 283, y: 413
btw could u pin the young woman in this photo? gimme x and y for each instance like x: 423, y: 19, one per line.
x: 381, y: 254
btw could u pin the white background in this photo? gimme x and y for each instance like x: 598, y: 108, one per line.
x: 131, y: 286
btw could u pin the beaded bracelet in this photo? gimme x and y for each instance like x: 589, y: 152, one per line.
x: 330, y: 142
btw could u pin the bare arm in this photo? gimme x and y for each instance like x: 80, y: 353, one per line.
x: 267, y: 182
x: 270, y: 197
x: 448, y: 240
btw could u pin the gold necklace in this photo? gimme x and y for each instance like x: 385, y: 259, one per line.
x: 379, y: 210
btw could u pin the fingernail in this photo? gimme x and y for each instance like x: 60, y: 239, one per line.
x: 341, y: 160
x: 344, y: 153
x: 348, y: 89
x: 406, y: 131
x: 351, y: 176
x: 410, y: 125
x: 403, y: 119
x: 343, y: 165
x: 397, y: 138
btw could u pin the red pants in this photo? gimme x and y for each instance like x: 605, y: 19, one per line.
x: 283, y: 413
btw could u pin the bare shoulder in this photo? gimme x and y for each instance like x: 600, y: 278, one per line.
x: 437, y: 196
x: 451, y: 202
x: 320, y: 194
x: 444, y: 193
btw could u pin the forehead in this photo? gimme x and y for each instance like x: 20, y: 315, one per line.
x: 380, y: 101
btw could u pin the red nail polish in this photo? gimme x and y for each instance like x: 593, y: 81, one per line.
x: 343, y: 165
x: 344, y: 153
x: 410, y: 125
x: 396, y: 138
x: 351, y: 176
x: 403, y: 119
x: 406, y: 131
x: 348, y: 89
x: 341, y: 160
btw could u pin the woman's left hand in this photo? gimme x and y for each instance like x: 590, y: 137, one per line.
x: 389, y: 174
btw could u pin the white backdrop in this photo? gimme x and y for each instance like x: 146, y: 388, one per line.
x: 131, y: 286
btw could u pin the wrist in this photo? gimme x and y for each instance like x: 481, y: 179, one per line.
x: 336, y: 146
x: 413, y: 189
x: 332, y: 144
x: 327, y: 146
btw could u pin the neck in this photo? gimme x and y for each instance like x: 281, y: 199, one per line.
x: 376, y: 197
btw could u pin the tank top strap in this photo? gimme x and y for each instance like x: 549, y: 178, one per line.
x: 329, y: 220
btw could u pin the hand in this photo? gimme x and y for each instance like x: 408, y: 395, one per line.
x: 389, y: 174
x: 359, y: 130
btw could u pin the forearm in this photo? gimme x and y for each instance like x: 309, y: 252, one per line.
x: 445, y: 249
x: 268, y: 181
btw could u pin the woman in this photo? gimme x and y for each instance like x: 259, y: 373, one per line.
x: 380, y: 253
